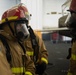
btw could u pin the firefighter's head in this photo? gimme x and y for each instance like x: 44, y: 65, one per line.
x: 15, y: 21
x: 71, y: 19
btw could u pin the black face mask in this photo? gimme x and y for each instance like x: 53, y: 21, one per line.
x: 71, y: 24
x: 71, y: 21
x: 21, y: 31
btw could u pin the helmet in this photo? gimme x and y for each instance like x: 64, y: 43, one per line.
x: 73, y: 6
x: 18, y: 12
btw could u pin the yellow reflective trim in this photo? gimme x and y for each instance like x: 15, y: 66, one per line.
x: 29, y: 53
x: 2, y: 21
x: 9, y: 18
x: 73, y: 56
x: 28, y: 73
x: 69, y: 73
x: 44, y: 59
x: 17, y: 70
x: 12, y: 18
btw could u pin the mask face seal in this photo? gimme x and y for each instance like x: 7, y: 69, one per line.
x: 21, y: 30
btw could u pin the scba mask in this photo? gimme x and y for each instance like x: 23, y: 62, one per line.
x: 21, y: 30
x: 71, y: 23
x: 71, y: 20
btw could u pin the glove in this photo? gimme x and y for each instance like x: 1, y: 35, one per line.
x: 40, y: 68
x: 69, y: 55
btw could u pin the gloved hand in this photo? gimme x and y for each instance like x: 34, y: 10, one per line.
x: 69, y: 53
x: 40, y: 68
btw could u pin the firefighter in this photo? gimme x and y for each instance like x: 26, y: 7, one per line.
x: 71, y: 24
x: 13, y: 32
x: 36, y: 49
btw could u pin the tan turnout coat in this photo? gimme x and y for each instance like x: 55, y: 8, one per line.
x: 42, y: 52
x: 16, y: 66
x: 72, y: 65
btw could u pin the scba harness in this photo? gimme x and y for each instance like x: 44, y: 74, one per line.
x: 33, y: 42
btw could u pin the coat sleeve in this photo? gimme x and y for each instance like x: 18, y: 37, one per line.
x: 4, y: 65
x: 73, y: 59
x: 30, y: 67
x: 43, y: 53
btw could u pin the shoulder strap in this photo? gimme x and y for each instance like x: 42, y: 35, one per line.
x: 34, y: 43
x: 8, y: 55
